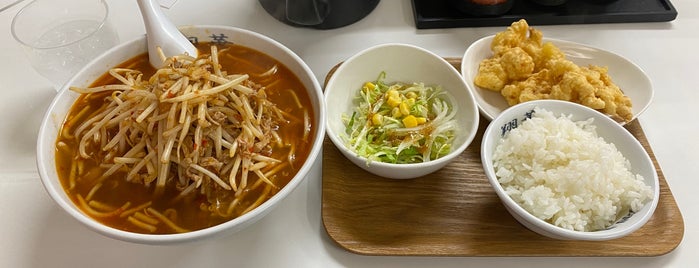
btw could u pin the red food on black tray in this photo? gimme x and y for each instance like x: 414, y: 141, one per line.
x: 550, y: 2
x: 482, y: 7
x: 487, y: 2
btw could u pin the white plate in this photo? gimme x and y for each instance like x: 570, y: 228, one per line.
x: 625, y: 74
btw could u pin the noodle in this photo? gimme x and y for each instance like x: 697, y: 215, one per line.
x: 145, y: 218
x: 139, y: 223
x: 93, y: 212
x: 127, y: 213
x: 167, y: 221
x: 93, y: 191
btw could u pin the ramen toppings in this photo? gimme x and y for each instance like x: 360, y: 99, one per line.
x: 202, y: 141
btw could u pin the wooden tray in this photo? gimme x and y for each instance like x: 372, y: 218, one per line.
x: 455, y: 212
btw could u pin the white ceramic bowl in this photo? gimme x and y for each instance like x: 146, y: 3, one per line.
x: 402, y: 63
x: 60, y: 105
x: 606, y: 128
x: 625, y: 74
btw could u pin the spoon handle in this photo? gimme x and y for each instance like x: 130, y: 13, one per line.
x: 162, y: 34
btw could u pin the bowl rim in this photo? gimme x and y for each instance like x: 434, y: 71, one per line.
x: 546, y: 227
x: 334, y: 137
x: 60, y: 197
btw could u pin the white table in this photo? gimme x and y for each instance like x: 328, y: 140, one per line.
x: 35, y: 233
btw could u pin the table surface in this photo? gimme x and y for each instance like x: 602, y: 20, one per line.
x: 35, y: 233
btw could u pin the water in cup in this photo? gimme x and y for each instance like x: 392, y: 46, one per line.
x: 65, y: 59
x: 62, y: 36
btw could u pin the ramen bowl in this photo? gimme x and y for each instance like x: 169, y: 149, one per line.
x: 405, y: 64
x: 61, y: 104
x: 578, y: 166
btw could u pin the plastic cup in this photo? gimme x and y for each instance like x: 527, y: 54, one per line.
x: 61, y: 36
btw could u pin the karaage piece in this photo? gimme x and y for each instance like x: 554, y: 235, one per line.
x: 517, y: 64
x: 523, y: 68
x: 491, y: 75
x: 617, y: 104
x: 519, y: 34
x: 536, y: 87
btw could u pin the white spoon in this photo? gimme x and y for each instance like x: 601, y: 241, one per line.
x: 162, y: 35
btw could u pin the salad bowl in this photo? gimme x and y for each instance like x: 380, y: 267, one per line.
x: 405, y: 64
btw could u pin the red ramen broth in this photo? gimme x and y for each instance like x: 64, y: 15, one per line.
x: 118, y: 186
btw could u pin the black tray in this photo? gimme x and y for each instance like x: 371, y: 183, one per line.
x: 439, y: 14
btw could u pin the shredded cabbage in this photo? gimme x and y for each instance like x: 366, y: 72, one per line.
x: 400, y: 123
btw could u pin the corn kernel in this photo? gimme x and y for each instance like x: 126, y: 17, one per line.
x: 421, y: 120
x: 410, y: 101
x: 411, y: 95
x: 392, y: 93
x: 404, y: 109
x: 369, y: 86
x: 410, y: 121
x: 377, y: 119
x: 396, y: 112
x: 393, y: 101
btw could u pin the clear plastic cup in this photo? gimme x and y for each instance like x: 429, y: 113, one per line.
x: 61, y: 36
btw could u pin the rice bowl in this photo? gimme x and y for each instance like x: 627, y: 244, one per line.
x: 583, y: 185
x: 550, y: 198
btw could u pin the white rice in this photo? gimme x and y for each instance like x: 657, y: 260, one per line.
x: 562, y: 172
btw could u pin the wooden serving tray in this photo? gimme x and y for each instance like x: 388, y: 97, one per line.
x: 455, y: 212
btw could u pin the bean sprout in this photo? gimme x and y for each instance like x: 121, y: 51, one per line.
x: 191, y: 124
